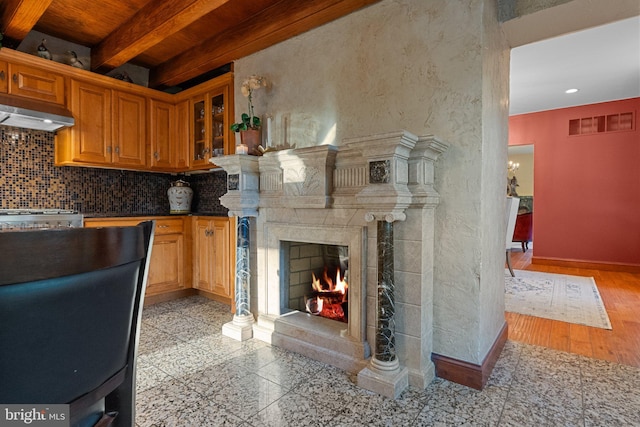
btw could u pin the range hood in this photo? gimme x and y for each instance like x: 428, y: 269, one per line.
x: 29, y: 114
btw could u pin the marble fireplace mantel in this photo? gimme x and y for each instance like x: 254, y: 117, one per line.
x: 341, y: 195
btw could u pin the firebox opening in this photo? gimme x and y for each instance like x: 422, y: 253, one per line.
x: 315, y: 279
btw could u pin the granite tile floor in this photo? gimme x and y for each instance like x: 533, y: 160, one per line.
x: 191, y: 375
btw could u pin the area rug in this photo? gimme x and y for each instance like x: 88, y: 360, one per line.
x: 572, y: 299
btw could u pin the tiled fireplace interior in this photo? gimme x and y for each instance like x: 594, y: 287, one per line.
x: 307, y: 205
x: 315, y: 279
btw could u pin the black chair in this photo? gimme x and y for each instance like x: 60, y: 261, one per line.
x: 70, y: 313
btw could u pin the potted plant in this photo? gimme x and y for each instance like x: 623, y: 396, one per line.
x: 250, y: 125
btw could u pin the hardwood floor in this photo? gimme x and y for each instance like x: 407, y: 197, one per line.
x: 620, y: 292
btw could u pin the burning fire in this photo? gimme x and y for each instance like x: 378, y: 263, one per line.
x: 337, y: 285
x: 330, y: 296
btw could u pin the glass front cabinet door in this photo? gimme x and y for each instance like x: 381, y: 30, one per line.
x: 211, y: 136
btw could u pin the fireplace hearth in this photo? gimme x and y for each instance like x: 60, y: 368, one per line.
x: 363, y: 211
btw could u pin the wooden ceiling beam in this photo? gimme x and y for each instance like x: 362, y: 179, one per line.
x: 148, y: 27
x: 19, y: 17
x: 274, y: 25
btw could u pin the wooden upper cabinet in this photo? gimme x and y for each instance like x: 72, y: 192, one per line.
x: 4, y: 77
x: 129, y: 129
x: 161, y: 135
x: 110, y: 129
x: 89, y: 140
x: 181, y: 136
x: 211, y: 108
x: 169, y: 135
x: 34, y: 83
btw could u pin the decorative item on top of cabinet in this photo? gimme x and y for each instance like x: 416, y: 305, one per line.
x: 213, y: 257
x: 43, y: 52
x: 72, y: 59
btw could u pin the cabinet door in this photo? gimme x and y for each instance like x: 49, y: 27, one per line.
x: 166, y: 264
x: 129, y: 129
x: 34, y: 83
x: 211, y: 113
x: 181, y: 140
x: 220, y: 236
x: 219, y: 125
x: 200, y: 150
x: 161, y: 131
x: 4, y: 77
x: 203, y: 255
x: 91, y: 134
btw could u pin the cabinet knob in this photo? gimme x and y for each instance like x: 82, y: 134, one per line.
x: 2, y: 75
x: 117, y: 149
x: 109, y: 149
x: 156, y: 155
x: 15, y: 78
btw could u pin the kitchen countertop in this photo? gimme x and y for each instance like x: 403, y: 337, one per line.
x: 130, y: 215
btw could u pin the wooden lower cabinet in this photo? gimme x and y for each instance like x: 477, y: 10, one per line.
x: 214, y: 257
x: 167, y: 260
x: 168, y: 255
x: 189, y: 254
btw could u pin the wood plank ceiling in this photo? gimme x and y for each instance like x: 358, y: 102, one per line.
x: 177, y: 40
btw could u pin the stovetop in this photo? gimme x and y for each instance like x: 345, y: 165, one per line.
x: 37, y: 212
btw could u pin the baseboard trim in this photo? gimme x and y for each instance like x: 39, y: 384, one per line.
x: 469, y: 374
x: 168, y: 296
x: 215, y: 297
x: 627, y: 268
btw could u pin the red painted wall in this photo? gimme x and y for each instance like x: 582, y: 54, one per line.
x: 586, y: 187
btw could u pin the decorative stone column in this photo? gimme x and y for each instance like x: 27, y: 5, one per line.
x: 386, y: 197
x: 242, y: 201
x: 384, y: 375
x: 385, y: 348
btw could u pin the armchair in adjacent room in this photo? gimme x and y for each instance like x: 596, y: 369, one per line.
x: 70, y: 313
x: 512, y: 212
x: 523, y: 232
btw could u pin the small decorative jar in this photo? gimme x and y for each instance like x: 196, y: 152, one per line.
x: 180, y: 195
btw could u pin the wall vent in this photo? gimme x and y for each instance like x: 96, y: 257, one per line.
x: 601, y: 124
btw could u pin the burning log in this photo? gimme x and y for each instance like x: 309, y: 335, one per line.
x: 329, y: 298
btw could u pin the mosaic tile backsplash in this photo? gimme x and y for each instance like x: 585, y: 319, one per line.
x: 28, y: 179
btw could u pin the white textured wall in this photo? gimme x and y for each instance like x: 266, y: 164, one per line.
x: 415, y: 65
x: 495, y: 124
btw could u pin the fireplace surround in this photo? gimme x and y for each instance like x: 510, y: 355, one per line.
x: 373, y: 195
